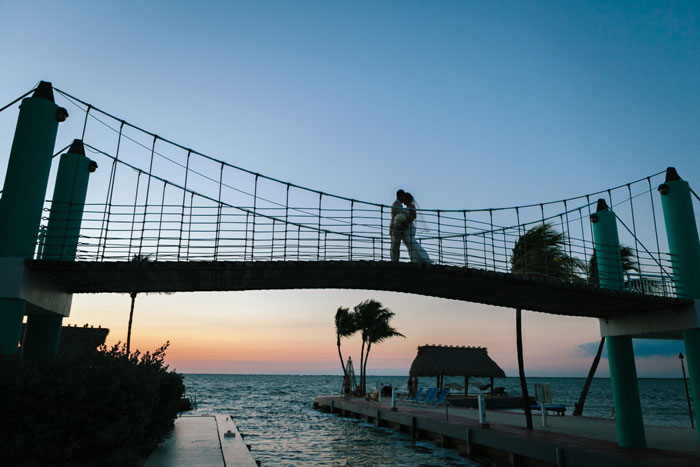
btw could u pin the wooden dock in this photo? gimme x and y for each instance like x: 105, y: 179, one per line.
x: 567, y: 441
x: 203, y: 441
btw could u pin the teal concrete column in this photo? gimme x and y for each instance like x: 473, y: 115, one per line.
x: 623, y: 371
x: 684, y: 246
x: 27, y: 173
x: 67, y: 204
x: 23, y: 194
x: 43, y: 332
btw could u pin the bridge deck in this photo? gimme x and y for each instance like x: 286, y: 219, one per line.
x: 466, y: 284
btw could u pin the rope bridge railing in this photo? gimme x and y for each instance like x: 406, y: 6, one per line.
x: 197, y: 231
x: 155, y: 199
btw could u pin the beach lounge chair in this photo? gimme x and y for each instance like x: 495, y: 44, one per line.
x: 441, y: 398
x: 558, y: 409
x: 428, y: 397
x: 418, y: 394
x: 545, y: 392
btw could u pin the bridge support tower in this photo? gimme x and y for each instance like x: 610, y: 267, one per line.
x: 684, y: 247
x: 43, y: 332
x: 623, y: 372
x: 22, y: 199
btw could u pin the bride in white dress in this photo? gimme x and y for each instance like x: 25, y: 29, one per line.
x: 415, y: 251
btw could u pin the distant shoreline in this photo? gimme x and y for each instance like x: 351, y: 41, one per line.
x: 399, y: 376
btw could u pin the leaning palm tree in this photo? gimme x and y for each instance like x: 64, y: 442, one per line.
x: 541, y: 251
x: 344, y: 327
x: 380, y: 332
x: 370, y: 317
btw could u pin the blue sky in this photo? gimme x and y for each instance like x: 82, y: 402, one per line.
x: 468, y: 104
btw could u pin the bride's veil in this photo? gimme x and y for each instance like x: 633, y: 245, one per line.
x: 420, y: 223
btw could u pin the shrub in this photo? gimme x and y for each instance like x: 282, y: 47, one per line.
x: 102, y: 409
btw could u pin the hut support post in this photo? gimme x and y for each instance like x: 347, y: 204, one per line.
x: 684, y: 246
x: 466, y: 386
x: 623, y: 372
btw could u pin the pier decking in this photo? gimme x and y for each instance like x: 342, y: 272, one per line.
x: 202, y: 441
x: 567, y: 441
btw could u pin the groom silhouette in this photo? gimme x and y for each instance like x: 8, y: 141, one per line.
x: 397, y: 225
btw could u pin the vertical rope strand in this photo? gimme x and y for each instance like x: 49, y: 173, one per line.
x: 493, y: 250
x: 160, y: 220
x: 286, y: 222
x: 568, y: 229
x: 583, y: 235
x: 218, y: 215
x: 546, y: 262
x: 184, y: 194
x: 634, y: 227
x: 466, y: 246
x: 590, y: 226
x: 148, y: 192
x: 318, y: 242
x: 352, y: 225
x: 255, y: 216
x: 521, y: 237
x: 439, y: 238
x: 381, y: 227
x: 656, y: 230
x: 110, y: 192
x: 189, y: 226
x: 133, y: 216
x: 87, y: 113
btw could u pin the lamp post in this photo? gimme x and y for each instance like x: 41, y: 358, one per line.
x: 687, y: 394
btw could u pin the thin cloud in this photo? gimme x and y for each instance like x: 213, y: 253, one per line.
x: 643, y: 348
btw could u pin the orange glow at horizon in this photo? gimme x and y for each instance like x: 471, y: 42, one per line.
x: 293, y: 331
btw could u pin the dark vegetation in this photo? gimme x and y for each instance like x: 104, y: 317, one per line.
x: 105, y: 408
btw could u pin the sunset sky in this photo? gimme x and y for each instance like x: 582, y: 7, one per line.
x: 470, y: 104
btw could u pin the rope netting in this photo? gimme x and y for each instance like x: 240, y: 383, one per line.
x: 155, y: 199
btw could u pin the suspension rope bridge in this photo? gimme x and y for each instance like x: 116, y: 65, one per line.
x: 163, y: 217
x: 157, y: 205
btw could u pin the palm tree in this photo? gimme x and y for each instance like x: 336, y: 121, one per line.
x: 540, y: 251
x: 344, y: 327
x: 372, y: 320
x: 136, y: 259
x: 380, y: 332
x: 131, y: 318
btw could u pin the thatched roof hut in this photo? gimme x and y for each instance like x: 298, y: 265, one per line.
x: 444, y: 360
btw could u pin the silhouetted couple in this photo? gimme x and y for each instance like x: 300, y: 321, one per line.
x: 403, y: 226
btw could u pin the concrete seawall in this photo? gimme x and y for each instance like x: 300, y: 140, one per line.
x: 203, y: 441
x: 567, y: 441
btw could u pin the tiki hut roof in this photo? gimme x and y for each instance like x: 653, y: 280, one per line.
x: 435, y: 360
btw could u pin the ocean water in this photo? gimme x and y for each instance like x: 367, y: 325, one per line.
x: 275, y: 414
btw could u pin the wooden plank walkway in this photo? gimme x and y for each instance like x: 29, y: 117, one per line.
x: 202, y: 441
x: 579, y: 441
x: 458, y: 283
